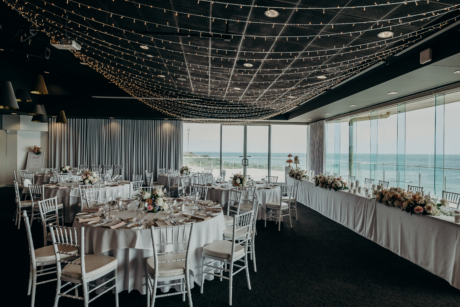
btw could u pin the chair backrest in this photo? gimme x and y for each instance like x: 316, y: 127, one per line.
x: 92, y: 196
x: 48, y: 214
x: 118, y: 170
x: 148, y: 177
x: 234, y: 202
x: 108, y: 170
x: 207, y: 170
x: 64, y: 177
x: 170, y: 241
x: 201, y: 190
x: 271, y: 178
x: 368, y: 181
x: 72, y: 237
x: 452, y: 197
x: 97, y: 169
x: 206, y: 178
x: 29, y: 238
x: 174, y: 182
x: 327, y: 173
x: 21, y: 174
x: 222, y: 174
x: 36, y: 192
x: 187, y: 184
x: 28, y: 178
x: 352, y: 178
x: 18, y: 194
x: 83, y: 188
x: 335, y: 175
x: 287, y: 191
x: 162, y: 171
x: 242, y: 224
x: 83, y: 167
x: 135, y: 187
x: 384, y: 183
x: 137, y: 177
x: 414, y: 188
x: 247, y: 193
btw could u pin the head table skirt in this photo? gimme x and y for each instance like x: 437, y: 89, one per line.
x: 133, y: 247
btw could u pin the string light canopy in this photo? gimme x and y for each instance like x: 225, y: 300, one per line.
x: 234, y: 62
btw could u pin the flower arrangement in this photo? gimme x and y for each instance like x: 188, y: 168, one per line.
x: 289, y: 160
x: 152, y: 202
x: 330, y: 182
x: 65, y: 169
x: 298, y: 174
x: 409, y: 201
x: 185, y: 170
x: 89, y: 177
x: 239, y: 180
x: 37, y: 150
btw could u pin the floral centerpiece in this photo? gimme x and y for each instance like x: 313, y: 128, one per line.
x: 330, y: 182
x: 185, y: 170
x: 298, y: 174
x: 152, y: 202
x: 89, y: 177
x: 37, y: 150
x: 239, y: 180
x: 409, y: 201
x: 65, y: 169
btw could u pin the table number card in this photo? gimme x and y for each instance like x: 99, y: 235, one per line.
x: 35, y: 162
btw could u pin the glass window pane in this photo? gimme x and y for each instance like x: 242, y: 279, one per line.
x: 363, y: 143
x: 257, y: 152
x: 232, y: 150
x: 287, y: 139
x: 387, y: 146
x: 452, y: 145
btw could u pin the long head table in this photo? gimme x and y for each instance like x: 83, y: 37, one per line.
x: 431, y: 242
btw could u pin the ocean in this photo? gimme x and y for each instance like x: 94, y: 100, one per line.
x: 418, y: 169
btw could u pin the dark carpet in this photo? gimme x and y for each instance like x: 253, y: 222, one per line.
x: 317, y: 263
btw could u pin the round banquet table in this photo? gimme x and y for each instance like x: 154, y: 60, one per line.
x: 163, y: 180
x: 42, y: 178
x: 132, y: 247
x: 270, y: 194
x: 70, y: 196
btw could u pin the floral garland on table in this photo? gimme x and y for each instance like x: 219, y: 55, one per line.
x: 409, y: 201
x: 152, y: 202
x: 298, y: 174
x: 239, y: 180
x: 65, y: 169
x: 185, y: 170
x: 89, y: 177
x: 37, y: 150
x: 330, y: 182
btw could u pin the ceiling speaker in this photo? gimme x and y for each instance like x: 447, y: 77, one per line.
x: 425, y: 56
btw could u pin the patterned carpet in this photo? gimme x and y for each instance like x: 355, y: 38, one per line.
x: 317, y: 263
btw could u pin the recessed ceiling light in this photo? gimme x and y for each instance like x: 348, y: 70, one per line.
x: 150, y: 56
x: 352, y: 105
x: 46, y: 72
x: 237, y: 89
x: 385, y: 34
x: 181, y: 79
x: 1, y: 49
x: 392, y: 93
x: 83, y: 63
x: 144, y: 47
x: 322, y: 77
x: 161, y: 76
x: 111, y: 117
x: 271, y: 13
x: 457, y: 72
x: 290, y: 97
x: 248, y: 65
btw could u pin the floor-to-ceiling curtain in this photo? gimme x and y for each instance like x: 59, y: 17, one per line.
x: 138, y: 145
x: 317, y: 151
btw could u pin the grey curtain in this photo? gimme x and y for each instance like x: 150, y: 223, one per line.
x: 138, y: 145
x: 317, y: 146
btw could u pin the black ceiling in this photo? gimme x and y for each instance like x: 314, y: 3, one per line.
x: 288, y: 53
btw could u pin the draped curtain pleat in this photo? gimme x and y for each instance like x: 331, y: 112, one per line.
x: 317, y: 146
x: 138, y: 145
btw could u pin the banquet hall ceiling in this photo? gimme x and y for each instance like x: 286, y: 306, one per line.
x: 204, y: 60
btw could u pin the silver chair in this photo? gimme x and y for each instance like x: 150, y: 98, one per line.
x: 279, y: 210
x: 414, y: 188
x: 368, y: 181
x: 21, y: 205
x: 271, y: 179
x: 385, y: 184
x: 452, y: 197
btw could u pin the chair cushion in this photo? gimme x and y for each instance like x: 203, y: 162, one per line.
x: 46, y: 254
x: 246, y: 207
x: 228, y: 220
x: 26, y: 203
x: 222, y: 249
x: 94, y: 265
x: 277, y: 206
x: 59, y: 206
x: 228, y: 232
x: 167, y: 269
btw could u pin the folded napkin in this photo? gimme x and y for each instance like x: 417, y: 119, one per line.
x: 215, y: 209
x: 217, y: 188
x: 200, y: 217
x: 92, y: 209
x: 114, y: 224
x: 89, y: 219
x: 205, y: 202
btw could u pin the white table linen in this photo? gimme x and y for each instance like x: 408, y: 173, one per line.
x: 133, y: 247
x: 431, y: 242
x: 70, y: 197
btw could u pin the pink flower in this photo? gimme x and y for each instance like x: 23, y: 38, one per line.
x: 418, y: 209
x: 150, y: 208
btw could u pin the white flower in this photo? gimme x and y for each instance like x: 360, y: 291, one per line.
x: 429, y: 208
x: 90, y: 177
x: 238, y: 181
x: 245, y: 181
x: 146, y: 195
x: 444, y: 203
x: 86, y: 181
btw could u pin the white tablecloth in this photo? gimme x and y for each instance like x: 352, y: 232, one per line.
x: 132, y: 247
x: 430, y: 242
x: 70, y: 197
x: 263, y: 195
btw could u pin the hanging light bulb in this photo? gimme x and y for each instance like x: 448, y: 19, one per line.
x: 7, y: 98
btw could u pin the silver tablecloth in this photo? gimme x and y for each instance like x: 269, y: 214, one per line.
x: 163, y: 180
x: 132, y: 247
x: 432, y: 242
x: 70, y: 197
x: 41, y: 178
